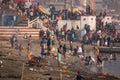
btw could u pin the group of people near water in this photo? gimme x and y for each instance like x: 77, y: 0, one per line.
x: 49, y: 40
x: 63, y: 49
x: 46, y: 38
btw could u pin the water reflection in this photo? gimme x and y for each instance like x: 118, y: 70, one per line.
x: 110, y: 66
x: 113, y: 66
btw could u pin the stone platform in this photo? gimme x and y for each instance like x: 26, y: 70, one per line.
x: 109, y: 49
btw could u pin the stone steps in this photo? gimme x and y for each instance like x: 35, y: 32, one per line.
x: 22, y: 23
x: 20, y: 33
x: 7, y: 37
x: 20, y: 30
x: 6, y: 32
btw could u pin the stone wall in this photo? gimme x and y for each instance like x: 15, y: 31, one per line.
x: 70, y: 24
x: 90, y: 20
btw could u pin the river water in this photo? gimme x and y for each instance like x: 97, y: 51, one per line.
x: 111, y: 67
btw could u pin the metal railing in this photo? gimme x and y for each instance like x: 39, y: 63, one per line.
x: 34, y: 23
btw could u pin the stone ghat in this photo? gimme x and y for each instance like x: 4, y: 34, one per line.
x: 109, y: 49
x: 6, y: 32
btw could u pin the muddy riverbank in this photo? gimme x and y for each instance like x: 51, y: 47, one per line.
x: 14, y: 67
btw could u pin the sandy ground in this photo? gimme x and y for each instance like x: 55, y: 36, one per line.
x: 14, y: 67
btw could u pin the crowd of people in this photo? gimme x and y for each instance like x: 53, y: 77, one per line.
x: 108, y: 34
x: 105, y: 35
x: 31, y: 10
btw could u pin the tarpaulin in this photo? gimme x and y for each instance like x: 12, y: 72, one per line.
x: 45, y: 11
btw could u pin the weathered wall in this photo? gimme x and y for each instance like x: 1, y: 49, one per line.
x: 107, y: 19
x: 90, y: 20
x: 70, y: 23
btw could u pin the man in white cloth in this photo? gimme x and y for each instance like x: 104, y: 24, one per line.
x: 79, y: 51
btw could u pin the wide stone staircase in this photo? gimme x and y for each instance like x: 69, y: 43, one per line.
x: 32, y: 29
x: 6, y: 32
x: 23, y: 27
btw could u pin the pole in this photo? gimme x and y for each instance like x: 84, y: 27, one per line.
x: 65, y: 4
x: 3, y: 15
x: 85, y: 4
x: 71, y: 5
x: 71, y: 9
x: 60, y: 73
x: 22, y: 71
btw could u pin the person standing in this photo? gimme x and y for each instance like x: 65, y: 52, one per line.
x: 20, y: 50
x: 41, y: 34
x: 59, y: 54
x: 108, y: 40
x: 63, y: 35
x: 29, y: 42
x: 43, y: 52
x: 78, y: 76
x: 53, y: 41
x: 71, y: 46
x: 72, y: 35
x: 83, y: 48
x: 64, y: 50
x: 49, y: 43
x: 96, y: 51
x: 79, y: 50
x: 50, y: 78
x: 12, y: 40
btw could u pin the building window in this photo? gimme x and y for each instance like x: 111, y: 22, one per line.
x: 84, y: 19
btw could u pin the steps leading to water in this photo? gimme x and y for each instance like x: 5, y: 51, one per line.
x: 6, y: 32
x: 18, y: 29
x: 22, y: 23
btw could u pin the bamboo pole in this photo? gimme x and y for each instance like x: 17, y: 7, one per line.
x: 60, y: 73
x: 23, y: 66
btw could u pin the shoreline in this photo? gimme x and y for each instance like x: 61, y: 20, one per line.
x: 14, y: 60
